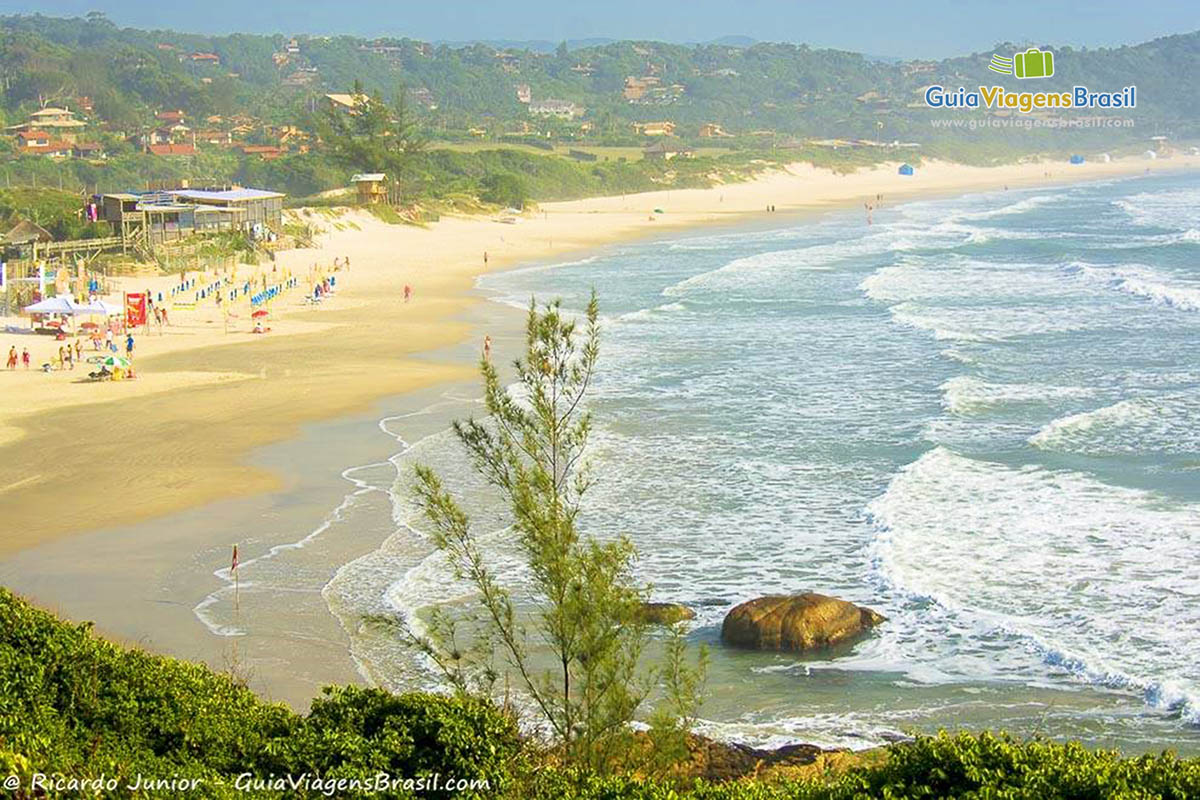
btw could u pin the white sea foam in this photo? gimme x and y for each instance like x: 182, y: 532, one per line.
x: 1142, y: 281
x: 1172, y: 210
x: 1098, y: 581
x: 776, y: 265
x: 1164, y: 423
x: 644, y: 314
x: 965, y: 395
x: 1021, y: 206
x: 994, y: 323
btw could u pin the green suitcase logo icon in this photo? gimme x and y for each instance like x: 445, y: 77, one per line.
x: 1033, y: 63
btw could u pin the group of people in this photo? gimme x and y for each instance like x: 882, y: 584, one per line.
x: 68, y: 355
x: 324, y: 284
x: 24, y: 357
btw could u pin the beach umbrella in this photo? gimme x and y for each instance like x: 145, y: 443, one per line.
x: 89, y: 326
x: 260, y: 314
x: 114, y: 362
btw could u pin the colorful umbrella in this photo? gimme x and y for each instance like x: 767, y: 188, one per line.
x: 260, y: 314
x: 113, y: 362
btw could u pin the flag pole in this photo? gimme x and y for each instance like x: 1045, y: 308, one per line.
x: 233, y: 571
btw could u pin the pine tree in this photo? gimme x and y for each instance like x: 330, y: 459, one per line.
x: 531, y: 448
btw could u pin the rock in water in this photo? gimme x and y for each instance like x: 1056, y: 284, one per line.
x: 665, y: 613
x: 798, y: 623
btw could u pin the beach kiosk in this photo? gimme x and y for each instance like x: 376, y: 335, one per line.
x: 906, y: 169
x: 1077, y: 160
x: 371, y: 187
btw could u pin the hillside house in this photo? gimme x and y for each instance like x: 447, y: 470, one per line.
x: 178, y: 133
x: 205, y: 58
x: 711, y: 130
x: 171, y: 149
x: 347, y: 103
x: 218, y: 138
x: 89, y: 150
x: 561, y: 109
x: 33, y: 141
x: 524, y: 93
x: 636, y: 88
x: 267, y: 152
x: 305, y: 76
x: 59, y: 122
x: 665, y: 150
x: 664, y: 128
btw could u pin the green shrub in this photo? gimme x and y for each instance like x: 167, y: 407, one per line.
x: 74, y: 704
x: 504, y: 189
x: 357, y: 732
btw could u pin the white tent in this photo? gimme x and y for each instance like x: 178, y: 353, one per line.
x: 61, y: 304
x: 99, y: 307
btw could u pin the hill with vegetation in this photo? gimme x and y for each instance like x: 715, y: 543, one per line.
x: 253, y: 107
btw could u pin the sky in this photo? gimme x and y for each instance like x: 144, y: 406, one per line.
x: 901, y: 28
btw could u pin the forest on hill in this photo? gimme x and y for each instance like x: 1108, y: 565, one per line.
x: 255, y: 101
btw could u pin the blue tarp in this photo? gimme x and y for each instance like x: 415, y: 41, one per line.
x: 906, y: 169
x: 1076, y: 159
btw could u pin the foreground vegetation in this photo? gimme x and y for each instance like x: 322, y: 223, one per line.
x: 74, y: 704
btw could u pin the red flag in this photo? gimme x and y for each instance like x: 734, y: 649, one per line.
x: 135, y: 309
x: 233, y: 566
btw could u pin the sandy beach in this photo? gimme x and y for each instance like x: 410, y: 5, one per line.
x: 80, y: 456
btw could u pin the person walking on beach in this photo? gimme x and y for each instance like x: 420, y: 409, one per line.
x: 62, y: 360
x: 487, y: 348
x: 78, y: 351
x: 485, y: 257
x: 25, y: 357
x: 407, y: 292
x: 12, y: 357
x: 129, y: 345
x: 70, y: 359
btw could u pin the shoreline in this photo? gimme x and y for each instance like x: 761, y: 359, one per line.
x: 165, y: 621
x: 179, y: 437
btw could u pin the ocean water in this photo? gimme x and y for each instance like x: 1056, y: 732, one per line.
x: 978, y: 416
